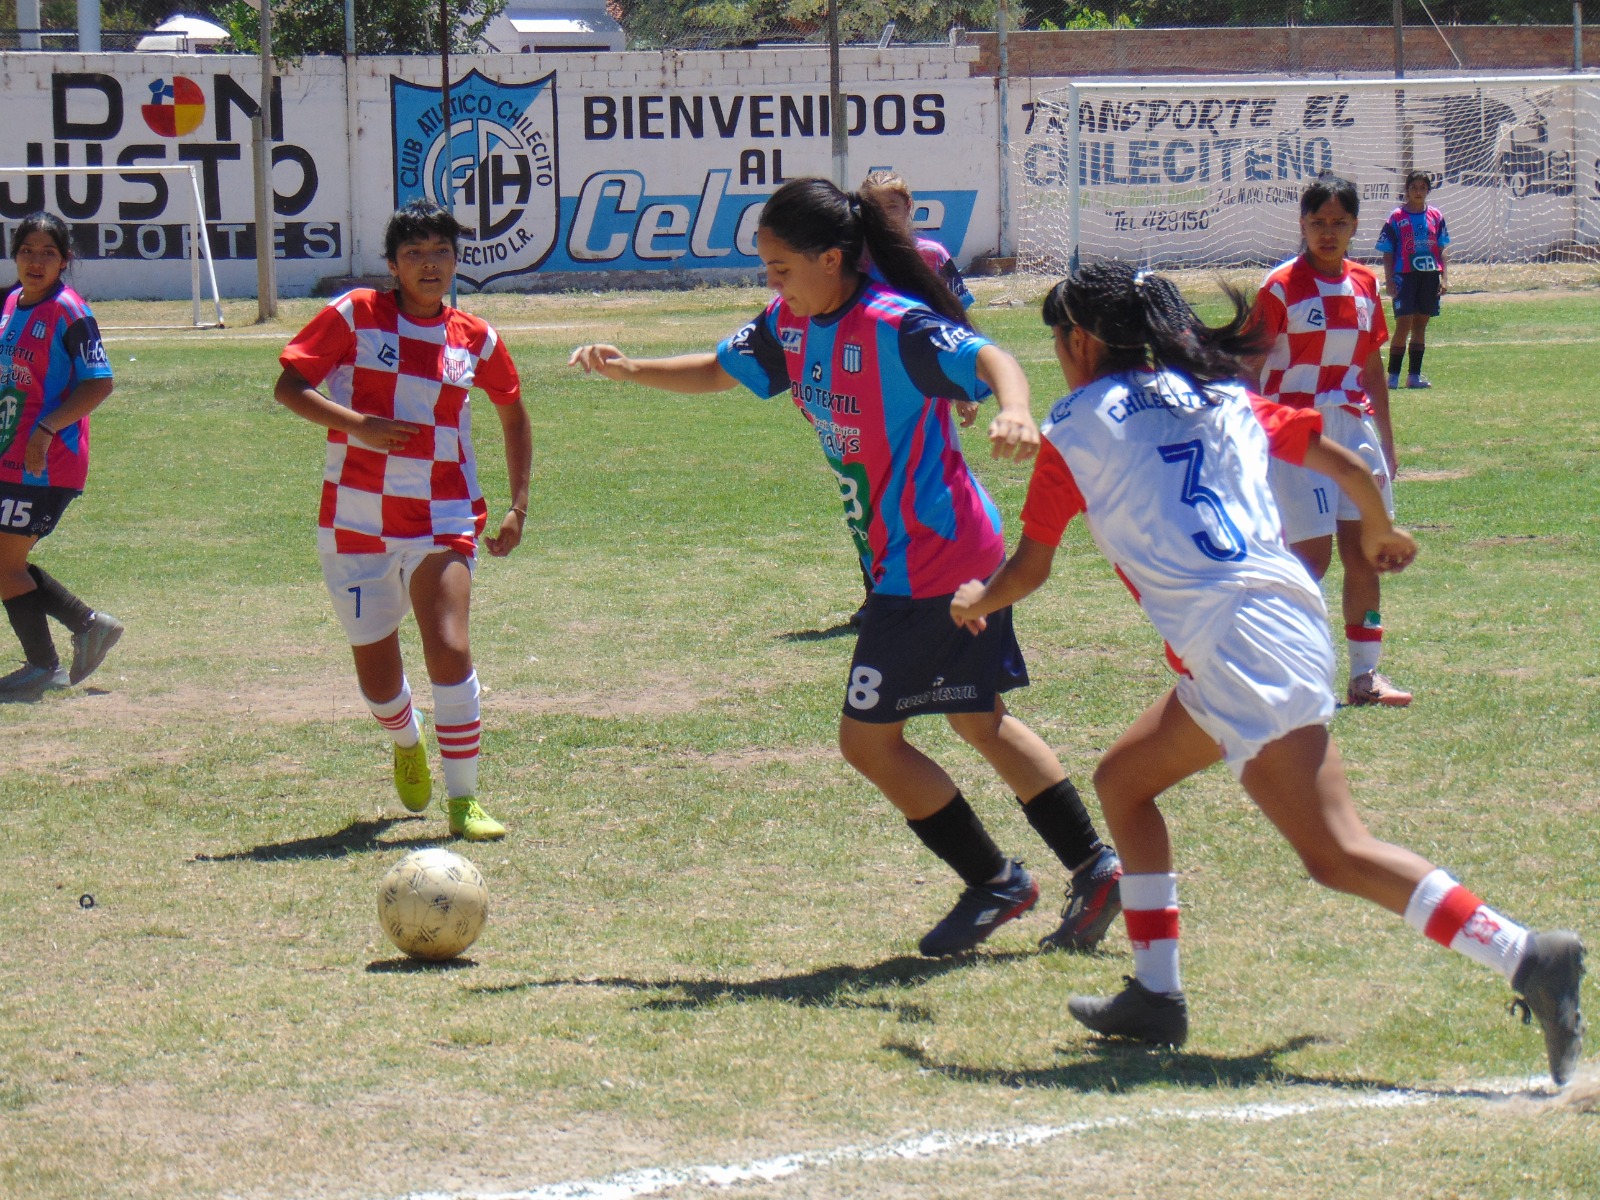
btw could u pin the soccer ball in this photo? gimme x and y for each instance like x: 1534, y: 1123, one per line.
x: 432, y: 904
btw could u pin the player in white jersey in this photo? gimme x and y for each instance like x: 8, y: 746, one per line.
x: 1168, y: 464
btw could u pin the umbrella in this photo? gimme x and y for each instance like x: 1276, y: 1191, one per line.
x: 180, y: 34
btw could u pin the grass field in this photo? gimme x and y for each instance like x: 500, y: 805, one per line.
x: 699, y: 974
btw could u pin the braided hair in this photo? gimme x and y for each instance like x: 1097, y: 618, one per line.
x: 1146, y: 323
x: 811, y: 216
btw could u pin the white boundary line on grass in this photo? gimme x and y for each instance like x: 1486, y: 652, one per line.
x: 655, y: 1181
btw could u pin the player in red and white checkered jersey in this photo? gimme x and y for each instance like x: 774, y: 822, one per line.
x: 401, y: 509
x: 1324, y: 316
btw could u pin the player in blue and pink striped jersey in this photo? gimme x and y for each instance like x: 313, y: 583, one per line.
x: 874, y: 367
x: 53, y: 374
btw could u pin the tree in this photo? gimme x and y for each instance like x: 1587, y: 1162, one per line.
x: 302, y: 27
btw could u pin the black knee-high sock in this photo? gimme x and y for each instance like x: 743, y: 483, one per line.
x: 60, y: 603
x: 1416, y: 356
x: 1397, y: 354
x: 27, y: 615
x: 1058, y: 816
x: 956, y: 835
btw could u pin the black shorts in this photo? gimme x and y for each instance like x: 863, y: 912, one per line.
x: 1418, y: 294
x: 912, y: 659
x: 33, y: 511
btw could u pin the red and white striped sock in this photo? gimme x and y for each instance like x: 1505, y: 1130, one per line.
x: 1365, y: 644
x: 398, y: 716
x: 1452, y: 916
x: 456, y: 725
x: 1150, y: 911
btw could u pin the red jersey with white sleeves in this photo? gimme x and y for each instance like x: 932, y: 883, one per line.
x: 376, y: 360
x: 1323, y: 330
x: 1172, y: 481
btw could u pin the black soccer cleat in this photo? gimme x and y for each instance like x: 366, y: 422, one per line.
x: 1548, y: 980
x: 1135, y: 1013
x: 979, y: 912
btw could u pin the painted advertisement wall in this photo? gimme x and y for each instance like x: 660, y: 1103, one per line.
x: 560, y: 167
x: 1176, y: 174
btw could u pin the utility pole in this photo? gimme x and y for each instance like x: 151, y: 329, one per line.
x: 266, y: 234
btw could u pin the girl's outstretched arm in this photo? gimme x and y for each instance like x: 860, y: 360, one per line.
x: 688, y: 373
x: 1013, y: 433
x: 1385, y: 547
x: 1019, y: 576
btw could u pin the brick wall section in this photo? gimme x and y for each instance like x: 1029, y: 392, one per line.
x: 1282, y: 50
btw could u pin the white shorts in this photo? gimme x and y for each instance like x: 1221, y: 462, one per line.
x: 371, y: 593
x: 1270, y: 674
x: 1310, y: 502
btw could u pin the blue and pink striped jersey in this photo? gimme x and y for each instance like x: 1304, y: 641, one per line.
x: 1416, y: 239
x: 46, y: 350
x: 875, y: 380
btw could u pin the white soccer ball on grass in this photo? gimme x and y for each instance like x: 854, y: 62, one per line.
x: 432, y: 904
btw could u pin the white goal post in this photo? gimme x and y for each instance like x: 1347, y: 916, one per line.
x: 1209, y: 174
x: 146, y: 245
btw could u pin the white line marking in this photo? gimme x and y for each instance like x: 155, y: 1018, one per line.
x: 654, y: 1181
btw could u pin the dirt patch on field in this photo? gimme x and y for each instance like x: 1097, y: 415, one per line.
x: 1406, y: 475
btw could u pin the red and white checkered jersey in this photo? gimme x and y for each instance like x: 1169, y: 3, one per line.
x: 1323, y: 330
x: 1173, y: 485
x: 376, y: 360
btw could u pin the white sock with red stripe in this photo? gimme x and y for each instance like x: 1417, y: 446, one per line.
x: 455, y: 724
x: 398, y: 716
x: 1452, y: 916
x: 1150, y: 911
x: 1365, y: 644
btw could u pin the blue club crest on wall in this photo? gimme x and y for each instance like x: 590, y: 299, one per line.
x: 501, y: 163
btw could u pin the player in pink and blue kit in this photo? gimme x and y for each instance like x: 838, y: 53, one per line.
x: 875, y: 368
x: 1413, y: 245
x: 53, y: 374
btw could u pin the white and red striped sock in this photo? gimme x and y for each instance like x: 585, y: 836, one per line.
x: 456, y: 725
x: 1443, y: 910
x: 398, y: 716
x: 1150, y: 911
x: 1365, y: 645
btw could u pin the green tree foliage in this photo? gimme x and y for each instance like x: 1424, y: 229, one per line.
x: 302, y: 27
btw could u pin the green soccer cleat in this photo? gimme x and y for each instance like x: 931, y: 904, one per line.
x: 411, y: 778
x: 469, y: 822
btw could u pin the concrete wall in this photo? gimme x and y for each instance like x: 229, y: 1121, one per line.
x: 568, y: 168
x: 1344, y: 50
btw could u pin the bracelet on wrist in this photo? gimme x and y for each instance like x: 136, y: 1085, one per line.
x: 521, y: 512
x: 41, y: 427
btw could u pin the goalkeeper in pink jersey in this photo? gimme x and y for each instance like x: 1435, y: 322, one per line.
x: 874, y: 368
x: 401, y: 508
x: 1166, y: 460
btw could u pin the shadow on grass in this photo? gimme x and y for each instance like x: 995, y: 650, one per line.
x: 837, y: 986
x: 1119, y: 1067
x: 817, y: 635
x: 418, y: 966
x: 358, y: 837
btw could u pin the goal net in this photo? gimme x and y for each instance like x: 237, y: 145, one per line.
x: 122, y: 259
x: 1209, y: 174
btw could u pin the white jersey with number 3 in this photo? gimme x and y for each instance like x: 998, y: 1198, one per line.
x: 1173, y: 484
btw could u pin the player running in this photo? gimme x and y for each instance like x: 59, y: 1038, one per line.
x: 53, y: 374
x: 1168, y: 465
x: 401, y: 508
x: 1325, y: 330
x: 1413, y: 245
x: 874, y: 368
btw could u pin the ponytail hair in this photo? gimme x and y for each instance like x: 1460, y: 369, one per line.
x: 811, y: 216
x: 1146, y: 323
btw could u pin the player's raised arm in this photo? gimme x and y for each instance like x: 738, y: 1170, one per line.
x: 686, y: 373
x: 1013, y: 433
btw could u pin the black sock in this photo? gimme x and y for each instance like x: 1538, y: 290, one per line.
x: 28, y: 618
x: 1396, y: 356
x: 1416, y: 358
x: 60, y: 603
x: 956, y: 835
x: 1058, y: 816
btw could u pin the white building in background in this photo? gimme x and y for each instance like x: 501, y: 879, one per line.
x: 554, y: 27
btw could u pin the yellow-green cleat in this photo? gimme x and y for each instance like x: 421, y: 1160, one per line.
x: 411, y: 778
x: 469, y: 821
